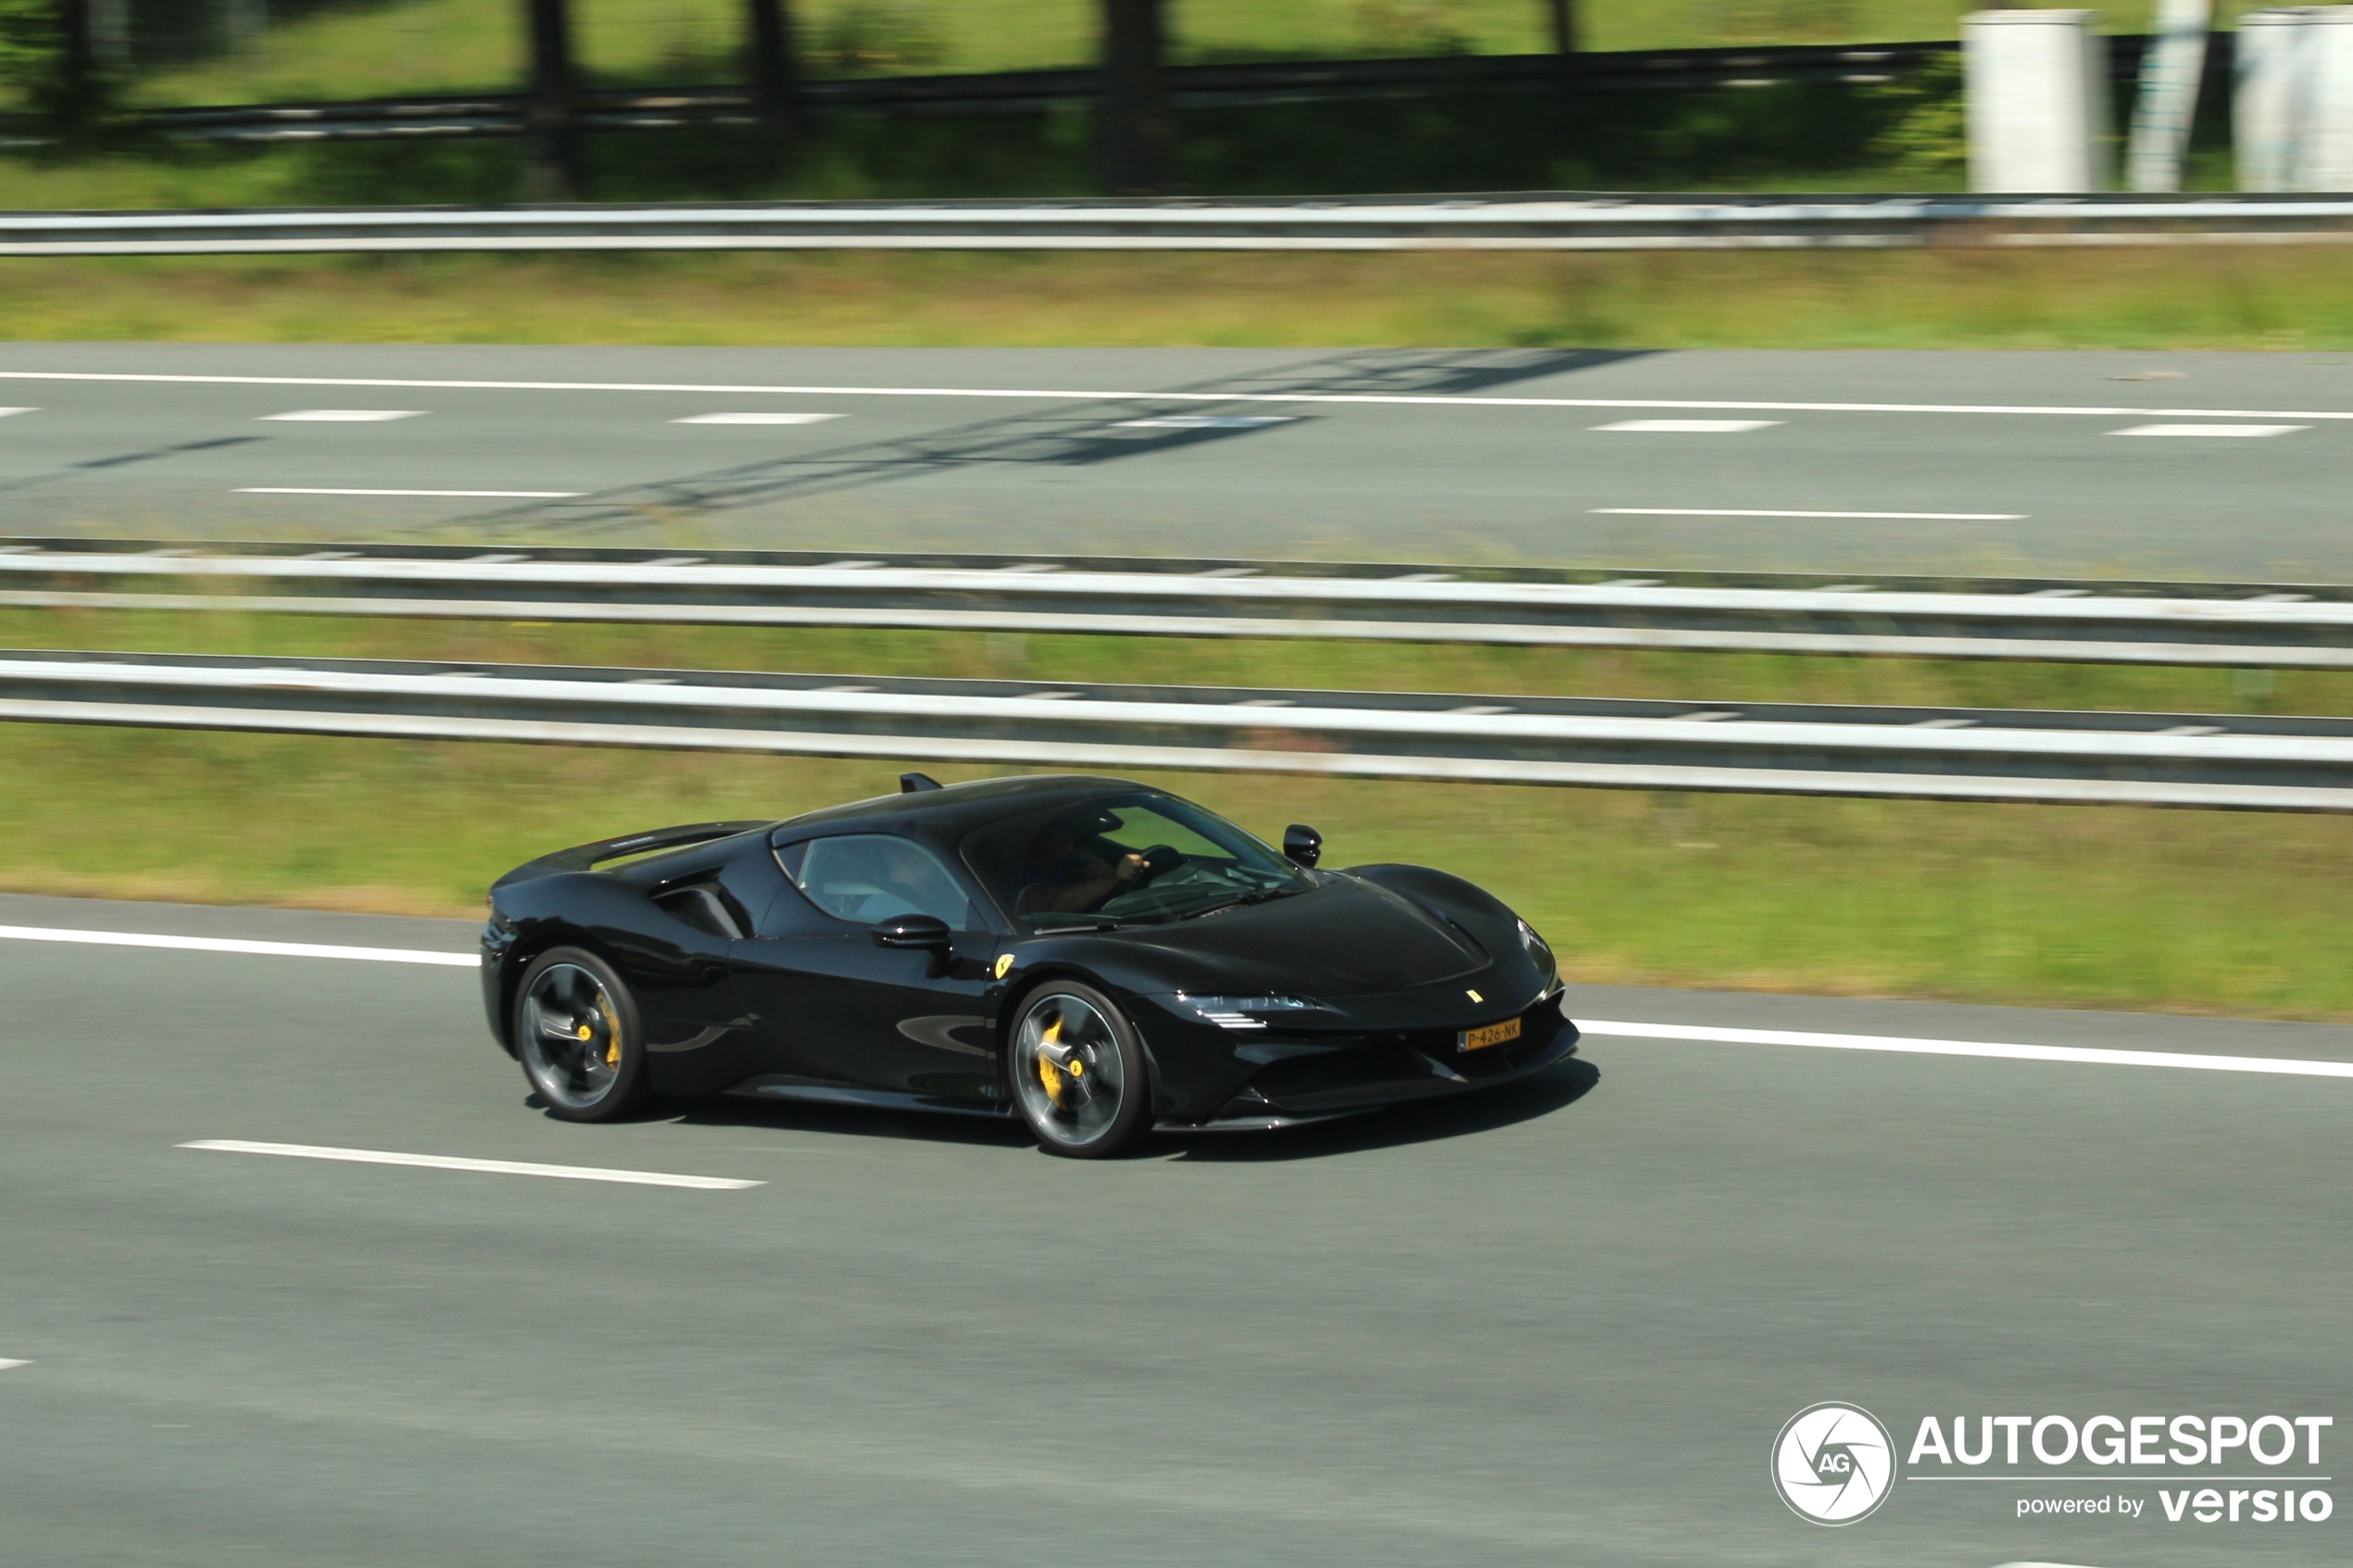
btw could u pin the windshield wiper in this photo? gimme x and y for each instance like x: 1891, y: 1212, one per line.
x: 1257, y: 895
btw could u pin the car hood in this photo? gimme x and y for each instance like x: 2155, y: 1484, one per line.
x: 1343, y: 937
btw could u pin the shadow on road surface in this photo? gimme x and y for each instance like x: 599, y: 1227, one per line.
x: 1502, y: 1106
x: 1066, y: 433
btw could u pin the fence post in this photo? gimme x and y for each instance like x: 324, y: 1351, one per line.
x: 2038, y: 115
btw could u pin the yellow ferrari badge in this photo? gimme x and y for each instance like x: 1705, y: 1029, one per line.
x: 1473, y: 996
x: 1004, y: 965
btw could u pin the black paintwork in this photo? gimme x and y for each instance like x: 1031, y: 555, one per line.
x: 744, y: 985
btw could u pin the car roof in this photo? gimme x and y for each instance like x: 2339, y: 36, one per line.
x: 953, y: 810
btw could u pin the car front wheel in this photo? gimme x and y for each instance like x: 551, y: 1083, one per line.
x: 576, y: 1033
x: 1079, y: 1072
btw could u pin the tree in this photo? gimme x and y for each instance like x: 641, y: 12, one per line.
x: 1139, y: 142
x: 775, y: 68
x: 1562, y: 15
x: 49, y: 48
x: 551, y: 142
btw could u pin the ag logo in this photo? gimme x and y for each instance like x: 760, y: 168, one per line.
x: 1834, y: 1463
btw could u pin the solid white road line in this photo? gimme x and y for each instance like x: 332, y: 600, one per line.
x: 469, y: 494
x: 755, y: 419
x: 2090, y: 1056
x: 230, y: 945
x: 1867, y: 516
x: 2252, y: 430
x: 491, y: 1167
x: 1404, y: 399
x: 347, y: 416
x: 1691, y: 427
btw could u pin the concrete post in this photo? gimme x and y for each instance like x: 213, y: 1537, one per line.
x: 2038, y: 106
x: 2292, y: 107
x: 2166, y: 103
x: 2327, y: 160
x: 2268, y: 103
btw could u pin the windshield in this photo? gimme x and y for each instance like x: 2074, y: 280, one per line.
x: 1133, y: 857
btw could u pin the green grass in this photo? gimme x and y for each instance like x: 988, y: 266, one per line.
x: 2011, y: 904
x: 2205, y: 297
x: 2199, y: 912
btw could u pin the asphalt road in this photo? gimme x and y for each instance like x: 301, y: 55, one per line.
x: 1563, y: 1327
x: 1978, y: 462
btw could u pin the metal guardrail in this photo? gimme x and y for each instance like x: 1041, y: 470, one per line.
x: 2131, y: 758
x: 2153, y: 624
x: 1495, y: 222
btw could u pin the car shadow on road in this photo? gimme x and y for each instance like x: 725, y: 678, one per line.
x: 1462, y: 1116
x: 1487, y: 1110
x: 849, y: 1121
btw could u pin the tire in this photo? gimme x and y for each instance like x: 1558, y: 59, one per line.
x: 578, y: 1039
x: 1080, y: 1078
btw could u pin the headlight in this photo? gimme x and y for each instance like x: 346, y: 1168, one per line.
x: 1237, y: 1012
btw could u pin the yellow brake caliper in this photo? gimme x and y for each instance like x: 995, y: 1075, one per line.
x: 612, y: 1033
x: 1047, y: 1073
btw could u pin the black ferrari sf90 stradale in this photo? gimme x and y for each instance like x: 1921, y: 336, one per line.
x: 1097, y: 956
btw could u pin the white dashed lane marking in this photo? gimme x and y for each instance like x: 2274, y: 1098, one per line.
x: 1689, y: 427
x: 1868, y: 517
x: 460, y: 494
x: 345, y: 416
x: 1207, y: 421
x: 484, y: 1167
x: 2252, y: 431
x: 7, y: 1364
x: 773, y: 418
x: 5, y: 412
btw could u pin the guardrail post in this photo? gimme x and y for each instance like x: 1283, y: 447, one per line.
x: 2038, y: 114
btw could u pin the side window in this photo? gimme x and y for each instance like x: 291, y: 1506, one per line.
x: 870, y: 876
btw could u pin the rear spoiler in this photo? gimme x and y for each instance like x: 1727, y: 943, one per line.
x: 587, y: 857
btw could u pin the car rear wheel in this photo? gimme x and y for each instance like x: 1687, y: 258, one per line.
x: 1079, y: 1072
x: 577, y: 1035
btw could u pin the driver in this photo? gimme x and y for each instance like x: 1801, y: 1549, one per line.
x: 1059, y: 875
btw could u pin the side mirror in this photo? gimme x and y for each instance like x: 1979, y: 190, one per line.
x: 913, y: 931
x: 1302, y: 844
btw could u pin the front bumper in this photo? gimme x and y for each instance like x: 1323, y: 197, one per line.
x: 1369, y: 1073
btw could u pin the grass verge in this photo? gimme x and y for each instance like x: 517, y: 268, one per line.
x: 2203, y: 298
x: 2191, y: 912
x: 2056, y: 906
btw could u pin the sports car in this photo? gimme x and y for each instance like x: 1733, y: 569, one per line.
x: 1095, y: 957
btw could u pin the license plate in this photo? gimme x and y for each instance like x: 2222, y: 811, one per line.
x: 1493, y: 1035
